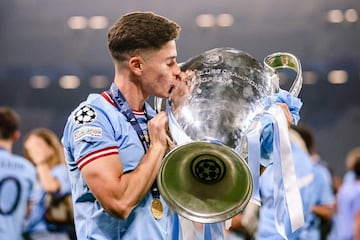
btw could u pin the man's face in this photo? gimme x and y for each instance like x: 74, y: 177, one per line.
x: 160, y: 71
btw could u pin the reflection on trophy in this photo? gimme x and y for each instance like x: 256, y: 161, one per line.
x: 205, y: 177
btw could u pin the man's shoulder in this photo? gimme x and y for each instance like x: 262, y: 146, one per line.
x: 14, y: 162
x: 88, y: 110
x: 95, y: 118
x: 15, y: 158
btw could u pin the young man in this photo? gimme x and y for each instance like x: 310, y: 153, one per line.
x: 17, y: 178
x: 112, y: 163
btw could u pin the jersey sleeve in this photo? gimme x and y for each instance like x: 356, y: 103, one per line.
x: 89, y: 135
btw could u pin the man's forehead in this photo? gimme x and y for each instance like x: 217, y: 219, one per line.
x: 167, y: 52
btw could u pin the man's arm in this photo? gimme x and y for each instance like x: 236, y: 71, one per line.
x: 120, y: 192
x: 323, y: 211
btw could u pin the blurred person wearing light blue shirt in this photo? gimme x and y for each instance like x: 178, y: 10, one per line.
x: 43, y: 148
x: 305, y: 179
x: 324, y: 201
x: 347, y: 187
x: 350, y: 161
x: 17, y: 178
x: 348, y: 207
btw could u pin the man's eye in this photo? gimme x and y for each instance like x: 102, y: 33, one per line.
x: 171, y: 63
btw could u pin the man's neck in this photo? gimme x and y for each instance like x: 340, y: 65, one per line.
x: 132, y: 93
x: 7, y: 145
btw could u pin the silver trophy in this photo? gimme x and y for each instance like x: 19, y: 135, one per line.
x: 205, y: 177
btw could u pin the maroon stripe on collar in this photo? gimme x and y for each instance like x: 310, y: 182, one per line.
x: 107, y: 97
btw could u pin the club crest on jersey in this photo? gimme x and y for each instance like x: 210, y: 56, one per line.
x: 85, y: 115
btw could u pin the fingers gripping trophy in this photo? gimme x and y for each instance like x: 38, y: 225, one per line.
x: 207, y: 176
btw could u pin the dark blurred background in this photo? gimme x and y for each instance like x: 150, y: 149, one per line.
x: 53, y: 53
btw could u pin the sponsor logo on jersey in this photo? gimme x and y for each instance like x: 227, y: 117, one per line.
x: 87, y: 131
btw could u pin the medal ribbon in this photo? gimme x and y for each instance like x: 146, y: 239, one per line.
x: 123, y: 106
x: 254, y: 159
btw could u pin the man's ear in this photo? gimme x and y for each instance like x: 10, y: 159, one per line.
x: 16, y: 135
x: 136, y: 65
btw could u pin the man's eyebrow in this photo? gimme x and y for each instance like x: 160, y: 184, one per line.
x: 171, y: 57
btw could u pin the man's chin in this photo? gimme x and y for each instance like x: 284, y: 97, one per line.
x: 165, y: 95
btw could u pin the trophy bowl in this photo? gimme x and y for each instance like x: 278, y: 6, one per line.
x: 206, y: 178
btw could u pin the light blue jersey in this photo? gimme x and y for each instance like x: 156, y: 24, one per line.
x: 349, y: 177
x: 97, y: 128
x: 17, y: 178
x: 324, y: 195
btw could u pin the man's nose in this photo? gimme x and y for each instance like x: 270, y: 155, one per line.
x: 177, y: 69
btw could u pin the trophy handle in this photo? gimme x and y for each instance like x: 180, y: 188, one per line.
x: 283, y: 60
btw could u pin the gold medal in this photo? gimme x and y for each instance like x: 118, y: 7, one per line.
x: 157, y: 208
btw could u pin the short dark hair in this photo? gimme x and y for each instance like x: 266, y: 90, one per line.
x: 307, y: 135
x: 140, y: 31
x: 9, y: 122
